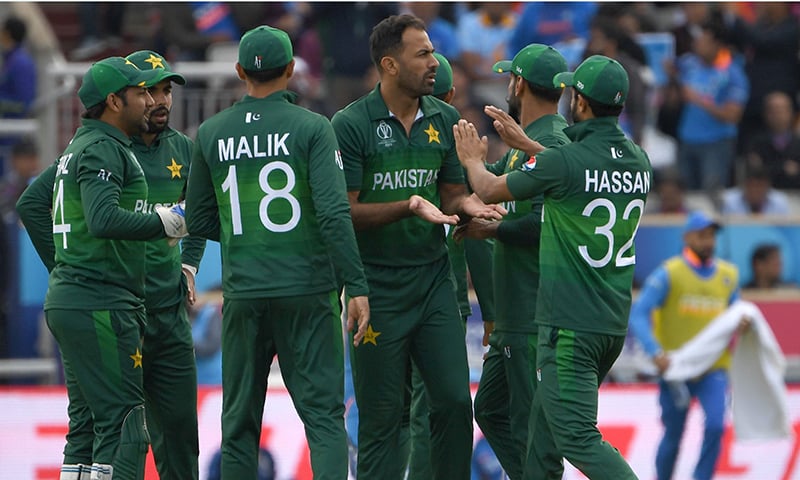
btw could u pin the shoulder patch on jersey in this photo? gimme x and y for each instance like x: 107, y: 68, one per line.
x: 530, y: 164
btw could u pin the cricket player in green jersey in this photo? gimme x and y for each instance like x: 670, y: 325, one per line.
x: 267, y: 183
x: 507, y: 387
x: 401, y: 166
x: 170, y: 373
x: 594, y: 195
x: 84, y: 215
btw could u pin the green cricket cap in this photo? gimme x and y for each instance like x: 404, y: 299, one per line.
x: 264, y: 48
x: 536, y: 63
x: 111, y: 75
x: 600, y: 78
x: 444, y: 76
x: 150, y: 60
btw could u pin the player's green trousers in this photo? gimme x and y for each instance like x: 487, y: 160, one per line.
x: 571, y: 366
x: 413, y: 313
x: 170, y: 392
x: 419, y: 462
x: 306, y: 334
x: 102, y: 356
x: 503, y: 400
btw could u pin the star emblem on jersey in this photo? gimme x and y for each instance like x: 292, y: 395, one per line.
x: 513, y: 160
x: 137, y: 359
x: 155, y: 62
x: 371, y: 335
x: 175, y: 169
x: 433, y: 134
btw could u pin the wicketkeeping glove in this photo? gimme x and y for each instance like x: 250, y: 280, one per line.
x: 173, y: 219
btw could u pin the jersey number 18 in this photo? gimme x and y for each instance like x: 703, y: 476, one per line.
x: 231, y: 185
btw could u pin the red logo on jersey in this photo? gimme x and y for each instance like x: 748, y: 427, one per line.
x: 530, y: 164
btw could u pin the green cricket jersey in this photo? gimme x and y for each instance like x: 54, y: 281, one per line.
x: 386, y: 165
x: 516, y: 266
x: 595, y: 191
x: 98, y: 222
x: 267, y: 183
x: 166, y: 167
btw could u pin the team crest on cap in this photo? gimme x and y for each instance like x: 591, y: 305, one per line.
x: 155, y: 62
x: 530, y: 164
x: 257, y: 61
x: 579, y: 84
x: 618, y: 97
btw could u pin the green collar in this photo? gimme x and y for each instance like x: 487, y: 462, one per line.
x: 279, y: 96
x: 377, y: 109
x: 108, y: 129
x: 604, y: 125
x: 544, y: 119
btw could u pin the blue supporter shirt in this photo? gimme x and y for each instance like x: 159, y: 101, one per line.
x: 725, y: 82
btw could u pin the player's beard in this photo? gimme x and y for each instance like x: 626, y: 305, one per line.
x: 416, y: 87
x: 573, y: 110
x: 514, y: 106
x: 157, y: 126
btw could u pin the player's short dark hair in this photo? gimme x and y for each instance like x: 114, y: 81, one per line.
x: 601, y: 109
x: 96, y: 111
x: 552, y: 95
x: 387, y: 36
x: 763, y: 252
x: 264, y: 76
x: 16, y: 29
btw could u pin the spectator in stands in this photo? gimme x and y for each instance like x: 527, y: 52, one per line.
x: 670, y: 193
x: 17, y: 80
x: 694, y: 15
x: 18, y: 74
x: 344, y: 29
x: 551, y: 22
x: 715, y: 90
x: 767, y: 265
x: 441, y: 32
x: 24, y: 167
x: 606, y: 38
x: 483, y: 35
x: 778, y: 148
x: 109, y: 17
x: 770, y: 45
x: 189, y: 28
x: 755, y: 197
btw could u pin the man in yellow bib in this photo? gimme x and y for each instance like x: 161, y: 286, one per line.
x: 687, y: 292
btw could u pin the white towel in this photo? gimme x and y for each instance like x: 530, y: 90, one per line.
x: 760, y: 410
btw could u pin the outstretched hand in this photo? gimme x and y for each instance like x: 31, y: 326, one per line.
x: 430, y: 212
x: 358, y: 315
x: 471, y: 148
x: 510, y: 132
x: 473, y: 206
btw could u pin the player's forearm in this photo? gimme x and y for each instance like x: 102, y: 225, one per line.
x: 488, y: 187
x: 374, y: 215
x: 346, y: 258
x: 479, y: 262
x: 192, y: 249
x: 524, y: 231
x: 106, y: 219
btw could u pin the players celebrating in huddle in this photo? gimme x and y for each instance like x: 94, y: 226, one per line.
x: 308, y: 211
